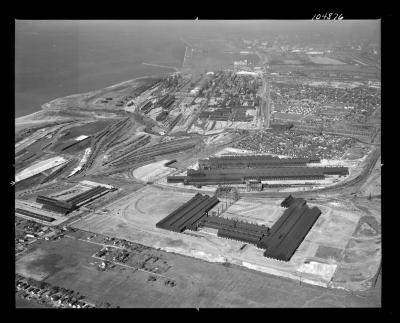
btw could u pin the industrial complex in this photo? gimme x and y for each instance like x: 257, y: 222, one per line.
x: 71, y: 204
x: 257, y: 169
x: 256, y: 160
x: 51, y: 208
x: 188, y: 215
x: 280, y: 241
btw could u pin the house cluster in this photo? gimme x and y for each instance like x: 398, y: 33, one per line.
x: 28, y: 231
x: 296, y: 144
x: 46, y: 294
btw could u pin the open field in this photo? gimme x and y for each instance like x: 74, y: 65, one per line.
x: 23, y: 303
x: 373, y: 185
x: 255, y: 211
x: 134, y: 218
x: 67, y: 263
x: 325, y: 60
x: 29, y: 182
x: 34, y: 266
x: 358, y: 151
x: 152, y: 171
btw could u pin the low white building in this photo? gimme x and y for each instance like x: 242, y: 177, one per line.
x: 314, y: 53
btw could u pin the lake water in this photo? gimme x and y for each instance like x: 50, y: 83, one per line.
x: 58, y: 58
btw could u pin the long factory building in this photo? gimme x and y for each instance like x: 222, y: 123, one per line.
x: 189, y: 214
x: 73, y: 203
x: 236, y: 230
x: 289, y: 230
x: 253, y: 161
x: 239, y: 169
x: 241, y: 175
x: 34, y: 215
x: 279, y: 242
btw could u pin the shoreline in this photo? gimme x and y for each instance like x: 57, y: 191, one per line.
x: 162, y: 66
x: 30, y: 118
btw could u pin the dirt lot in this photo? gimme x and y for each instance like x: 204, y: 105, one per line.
x: 325, y: 60
x: 255, y: 210
x: 29, y: 182
x: 199, y: 283
x: 153, y: 171
x: 373, y: 185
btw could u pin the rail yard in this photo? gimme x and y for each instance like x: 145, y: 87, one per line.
x: 270, y: 167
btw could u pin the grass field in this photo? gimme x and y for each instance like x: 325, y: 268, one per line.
x: 34, y: 266
x: 23, y: 303
x: 50, y: 257
x: 199, y: 283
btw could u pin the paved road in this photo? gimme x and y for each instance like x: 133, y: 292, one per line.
x: 263, y: 105
x: 267, y: 106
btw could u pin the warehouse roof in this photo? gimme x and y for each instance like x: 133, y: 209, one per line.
x: 259, y: 172
x: 288, y: 232
x: 188, y: 214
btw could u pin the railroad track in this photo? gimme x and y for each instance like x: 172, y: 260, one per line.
x: 155, y: 150
x: 366, y: 172
x: 130, y: 149
x: 101, y: 141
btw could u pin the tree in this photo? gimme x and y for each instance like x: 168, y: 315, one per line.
x: 235, y: 195
x: 31, y: 282
x: 43, y: 285
x: 63, y: 290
